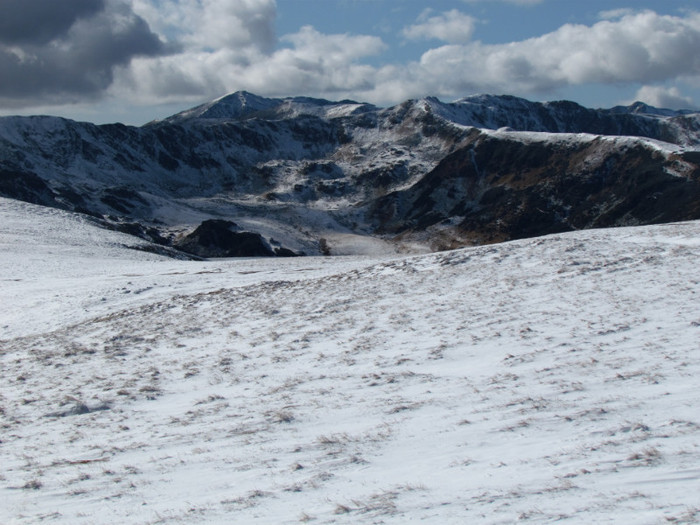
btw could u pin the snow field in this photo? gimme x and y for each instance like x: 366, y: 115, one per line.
x: 540, y: 380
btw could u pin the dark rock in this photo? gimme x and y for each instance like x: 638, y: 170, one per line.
x: 122, y: 199
x: 139, y: 230
x: 217, y: 238
x: 285, y: 252
x: 79, y: 409
x: 506, y: 189
x: 26, y: 186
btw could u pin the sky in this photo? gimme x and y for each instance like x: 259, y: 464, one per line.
x: 134, y: 61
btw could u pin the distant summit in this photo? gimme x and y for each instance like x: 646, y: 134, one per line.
x: 244, y: 105
x: 640, y: 108
x: 233, y: 106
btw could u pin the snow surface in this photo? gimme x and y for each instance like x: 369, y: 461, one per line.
x: 615, y: 141
x: 549, y: 379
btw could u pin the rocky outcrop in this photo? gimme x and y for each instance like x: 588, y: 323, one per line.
x: 221, y: 238
x: 26, y: 186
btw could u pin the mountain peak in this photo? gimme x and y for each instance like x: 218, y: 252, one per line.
x: 488, y: 100
x: 238, y: 104
x: 232, y: 106
x: 242, y: 105
x: 641, y: 108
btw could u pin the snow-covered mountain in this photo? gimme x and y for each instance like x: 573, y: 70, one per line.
x: 310, y: 176
x: 542, y: 380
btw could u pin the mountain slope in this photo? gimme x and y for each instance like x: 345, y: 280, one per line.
x: 505, y: 185
x: 638, y: 120
x: 558, y: 376
x: 314, y: 176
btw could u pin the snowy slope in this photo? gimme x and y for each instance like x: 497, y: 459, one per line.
x: 550, y: 379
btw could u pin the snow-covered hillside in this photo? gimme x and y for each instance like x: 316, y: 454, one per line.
x: 549, y: 379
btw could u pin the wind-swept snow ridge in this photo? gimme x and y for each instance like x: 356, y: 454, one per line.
x: 548, y: 379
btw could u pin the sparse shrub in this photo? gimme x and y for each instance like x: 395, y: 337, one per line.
x: 334, y: 439
x: 283, y: 416
x: 34, y: 484
x: 323, y: 246
x: 647, y: 456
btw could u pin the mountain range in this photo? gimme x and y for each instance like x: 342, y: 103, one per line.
x: 247, y: 175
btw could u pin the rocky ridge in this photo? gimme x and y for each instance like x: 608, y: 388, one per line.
x: 301, y: 175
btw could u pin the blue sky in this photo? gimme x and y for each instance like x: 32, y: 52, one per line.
x: 136, y: 60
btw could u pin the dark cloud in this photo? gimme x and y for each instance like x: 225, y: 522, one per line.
x: 40, y: 21
x: 77, y: 61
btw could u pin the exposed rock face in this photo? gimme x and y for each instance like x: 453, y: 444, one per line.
x: 499, y: 188
x: 219, y: 238
x: 25, y: 186
x: 302, y: 169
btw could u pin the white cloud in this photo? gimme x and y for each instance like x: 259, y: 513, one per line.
x: 317, y: 64
x: 220, y: 40
x: 636, y: 48
x: 631, y: 47
x: 335, y: 50
x: 452, y: 26
x: 226, y: 45
x: 213, y: 24
x: 313, y: 64
x: 664, y: 97
x: 222, y: 24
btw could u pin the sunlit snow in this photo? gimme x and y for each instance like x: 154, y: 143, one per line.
x: 549, y: 379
